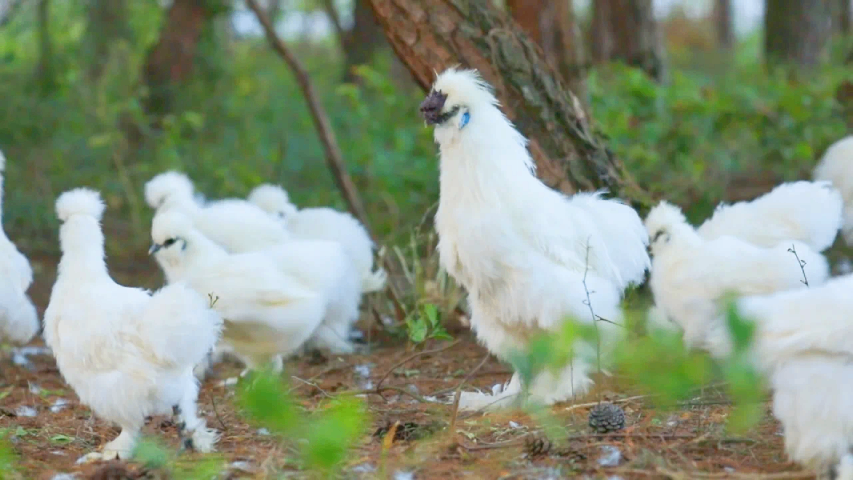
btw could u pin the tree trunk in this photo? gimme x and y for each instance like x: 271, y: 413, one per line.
x: 432, y: 35
x: 170, y: 60
x: 107, y: 22
x: 44, y: 70
x: 723, y: 24
x: 551, y: 24
x: 796, y: 31
x: 842, y: 14
x: 626, y: 30
x: 362, y: 40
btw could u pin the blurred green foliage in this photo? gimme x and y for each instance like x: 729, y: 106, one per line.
x: 697, y: 139
x: 8, y: 459
x: 324, y: 437
x: 658, y: 363
x: 242, y: 120
x: 156, y: 456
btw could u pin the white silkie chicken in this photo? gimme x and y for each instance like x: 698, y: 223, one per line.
x: 19, y: 321
x: 126, y: 353
x: 236, y: 224
x: 324, y: 224
x: 268, y: 312
x: 836, y: 166
x: 690, y: 274
x: 518, y: 247
x: 808, y: 212
x: 803, y: 343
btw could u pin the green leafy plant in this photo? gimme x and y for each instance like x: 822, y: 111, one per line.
x: 425, y: 324
x: 324, y: 437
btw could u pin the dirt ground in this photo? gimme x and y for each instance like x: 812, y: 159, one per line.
x: 685, y: 441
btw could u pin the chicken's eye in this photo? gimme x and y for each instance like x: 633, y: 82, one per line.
x: 169, y: 242
x: 281, y: 215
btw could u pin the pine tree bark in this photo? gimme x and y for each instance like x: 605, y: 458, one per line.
x: 626, y: 30
x: 432, y: 35
x: 551, y: 24
x: 796, y: 31
x: 723, y: 24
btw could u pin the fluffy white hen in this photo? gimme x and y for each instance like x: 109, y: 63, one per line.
x: 19, y: 321
x: 518, y: 247
x: 324, y: 224
x: 690, y: 274
x: 836, y: 166
x: 802, y: 344
x: 237, y: 225
x: 126, y: 353
x: 267, y: 311
x: 325, y: 267
x: 808, y: 212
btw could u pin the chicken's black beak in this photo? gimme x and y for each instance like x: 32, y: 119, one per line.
x: 431, y: 107
x: 154, y: 248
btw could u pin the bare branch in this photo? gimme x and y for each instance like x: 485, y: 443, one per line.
x: 334, y: 158
x: 802, y: 264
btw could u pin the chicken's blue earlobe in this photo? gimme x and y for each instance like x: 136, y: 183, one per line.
x: 464, y: 121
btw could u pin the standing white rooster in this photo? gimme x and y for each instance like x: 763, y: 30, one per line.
x: 690, y: 274
x: 836, y: 166
x: 803, y: 342
x: 324, y: 224
x: 518, y: 247
x: 267, y: 311
x: 808, y: 212
x: 126, y: 353
x: 19, y: 321
x: 237, y: 225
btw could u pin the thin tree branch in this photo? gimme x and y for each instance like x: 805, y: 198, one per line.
x: 334, y: 158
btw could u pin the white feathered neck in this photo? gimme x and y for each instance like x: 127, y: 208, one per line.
x: 82, y: 243
x: 485, y: 161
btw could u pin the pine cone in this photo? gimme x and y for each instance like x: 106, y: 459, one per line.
x: 536, y: 446
x: 606, y: 418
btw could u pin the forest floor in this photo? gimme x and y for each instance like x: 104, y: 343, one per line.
x: 51, y: 429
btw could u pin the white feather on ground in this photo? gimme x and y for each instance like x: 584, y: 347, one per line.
x: 19, y: 321
x: 803, y: 343
x: 691, y: 274
x: 267, y: 311
x: 808, y: 212
x: 836, y: 166
x: 324, y: 224
x: 235, y: 224
x: 520, y: 248
x: 126, y: 353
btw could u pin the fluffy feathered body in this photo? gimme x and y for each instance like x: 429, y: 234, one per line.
x: 235, y: 224
x: 324, y: 224
x: 267, y: 311
x: 690, y: 274
x: 802, y: 344
x: 126, y: 353
x: 836, y: 166
x: 325, y: 268
x: 19, y: 321
x: 808, y: 212
x: 521, y: 249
